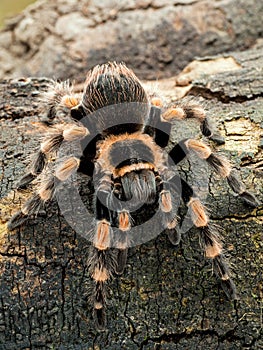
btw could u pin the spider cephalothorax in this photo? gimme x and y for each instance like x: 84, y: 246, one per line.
x: 123, y: 134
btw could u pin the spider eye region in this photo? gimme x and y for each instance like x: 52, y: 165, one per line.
x: 130, y: 152
x: 132, y: 161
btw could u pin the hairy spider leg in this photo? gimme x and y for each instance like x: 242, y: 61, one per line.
x: 59, y: 99
x: 56, y: 100
x: 178, y: 189
x: 101, y: 266
x: 218, y: 163
x: 101, y: 262
x: 210, y: 238
x: 110, y: 209
x: 44, y: 192
x: 157, y: 128
x: 148, y: 184
x: 47, y: 180
x: 181, y: 112
x: 51, y: 143
x: 169, y: 199
x: 121, y: 218
x: 212, y: 245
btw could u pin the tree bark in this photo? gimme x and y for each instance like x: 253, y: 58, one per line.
x: 167, y: 297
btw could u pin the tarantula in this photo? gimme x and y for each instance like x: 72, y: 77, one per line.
x: 131, y: 173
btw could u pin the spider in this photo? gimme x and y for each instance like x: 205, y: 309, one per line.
x: 132, y: 175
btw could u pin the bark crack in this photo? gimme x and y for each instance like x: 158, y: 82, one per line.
x: 221, y: 96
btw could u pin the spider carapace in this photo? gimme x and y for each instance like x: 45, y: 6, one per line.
x: 126, y: 132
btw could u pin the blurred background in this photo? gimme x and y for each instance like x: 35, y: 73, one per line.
x: 10, y: 8
x: 62, y: 39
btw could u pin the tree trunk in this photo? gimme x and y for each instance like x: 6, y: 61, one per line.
x: 168, y: 297
x: 156, y: 38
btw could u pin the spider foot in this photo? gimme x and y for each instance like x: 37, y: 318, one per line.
x: 229, y: 288
x: 221, y: 269
x: 250, y: 199
x: 174, y: 236
x: 16, y: 220
x: 217, y: 138
x: 25, y: 181
x: 99, y: 316
x: 121, y: 261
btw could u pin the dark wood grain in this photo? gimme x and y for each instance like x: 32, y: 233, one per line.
x: 167, y: 297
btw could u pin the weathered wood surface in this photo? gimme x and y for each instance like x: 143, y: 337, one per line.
x: 168, y: 297
x: 157, y: 38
